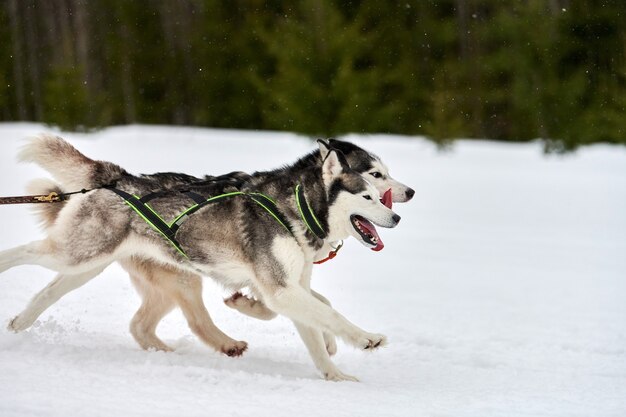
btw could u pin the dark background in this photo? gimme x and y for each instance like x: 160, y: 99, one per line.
x: 507, y: 70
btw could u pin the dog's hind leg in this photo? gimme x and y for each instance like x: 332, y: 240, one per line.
x: 20, y: 255
x: 46, y: 253
x: 61, y: 285
x: 186, y: 289
x: 161, y: 288
x: 155, y: 305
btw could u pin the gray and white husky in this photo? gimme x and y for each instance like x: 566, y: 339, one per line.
x: 235, y: 241
x: 161, y: 286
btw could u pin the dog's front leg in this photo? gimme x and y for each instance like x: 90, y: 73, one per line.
x: 329, y: 338
x: 283, y: 290
x: 282, y: 279
x: 305, y: 280
x: 315, y: 344
x: 299, y: 305
x: 257, y: 309
x: 316, y: 341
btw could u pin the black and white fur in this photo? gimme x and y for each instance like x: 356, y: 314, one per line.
x: 164, y: 287
x: 234, y: 242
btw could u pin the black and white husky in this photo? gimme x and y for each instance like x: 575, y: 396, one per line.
x: 236, y: 242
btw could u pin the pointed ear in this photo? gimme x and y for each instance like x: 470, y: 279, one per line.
x: 333, y: 166
x: 324, y: 148
x: 342, y: 159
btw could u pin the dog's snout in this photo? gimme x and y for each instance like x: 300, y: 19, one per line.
x: 410, y: 193
x: 396, y: 218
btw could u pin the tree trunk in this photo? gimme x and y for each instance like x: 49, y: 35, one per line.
x: 65, y: 12
x: 127, y: 79
x: 32, y: 49
x: 82, y: 42
x: 18, y: 79
x: 52, y: 39
x: 462, y: 18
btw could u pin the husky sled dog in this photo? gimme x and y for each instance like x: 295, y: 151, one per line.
x: 237, y: 242
x: 160, y: 286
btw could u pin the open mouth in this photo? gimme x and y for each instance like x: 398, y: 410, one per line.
x: 367, y: 231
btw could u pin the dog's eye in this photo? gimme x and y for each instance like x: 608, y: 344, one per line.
x: 376, y: 174
x: 367, y: 197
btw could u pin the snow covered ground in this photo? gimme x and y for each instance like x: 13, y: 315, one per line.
x: 502, y: 292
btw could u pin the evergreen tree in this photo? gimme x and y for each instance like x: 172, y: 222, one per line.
x: 448, y: 68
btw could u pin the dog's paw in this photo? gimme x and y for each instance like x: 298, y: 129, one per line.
x: 331, y: 343
x: 158, y: 347
x: 373, y: 341
x: 336, y: 375
x: 238, y: 301
x: 233, y: 298
x: 249, y: 306
x: 234, y: 349
x: 366, y: 341
x: 18, y: 323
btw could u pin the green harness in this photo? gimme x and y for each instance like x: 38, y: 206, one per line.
x: 168, y: 230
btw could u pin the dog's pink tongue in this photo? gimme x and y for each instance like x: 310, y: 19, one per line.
x: 387, y: 199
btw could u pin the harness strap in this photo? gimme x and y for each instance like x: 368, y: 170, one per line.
x: 197, y: 198
x: 149, y: 197
x: 169, y: 230
x: 180, y: 219
x: 151, y: 217
x: 270, y: 206
x: 307, y: 214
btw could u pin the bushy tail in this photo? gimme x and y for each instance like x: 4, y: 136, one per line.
x: 68, y: 166
x: 47, y: 213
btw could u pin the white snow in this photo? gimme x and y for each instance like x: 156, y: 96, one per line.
x: 502, y: 293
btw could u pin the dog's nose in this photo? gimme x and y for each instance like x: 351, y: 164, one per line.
x: 396, y: 218
x: 409, y: 194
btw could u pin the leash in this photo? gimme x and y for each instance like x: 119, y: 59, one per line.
x: 53, y: 197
